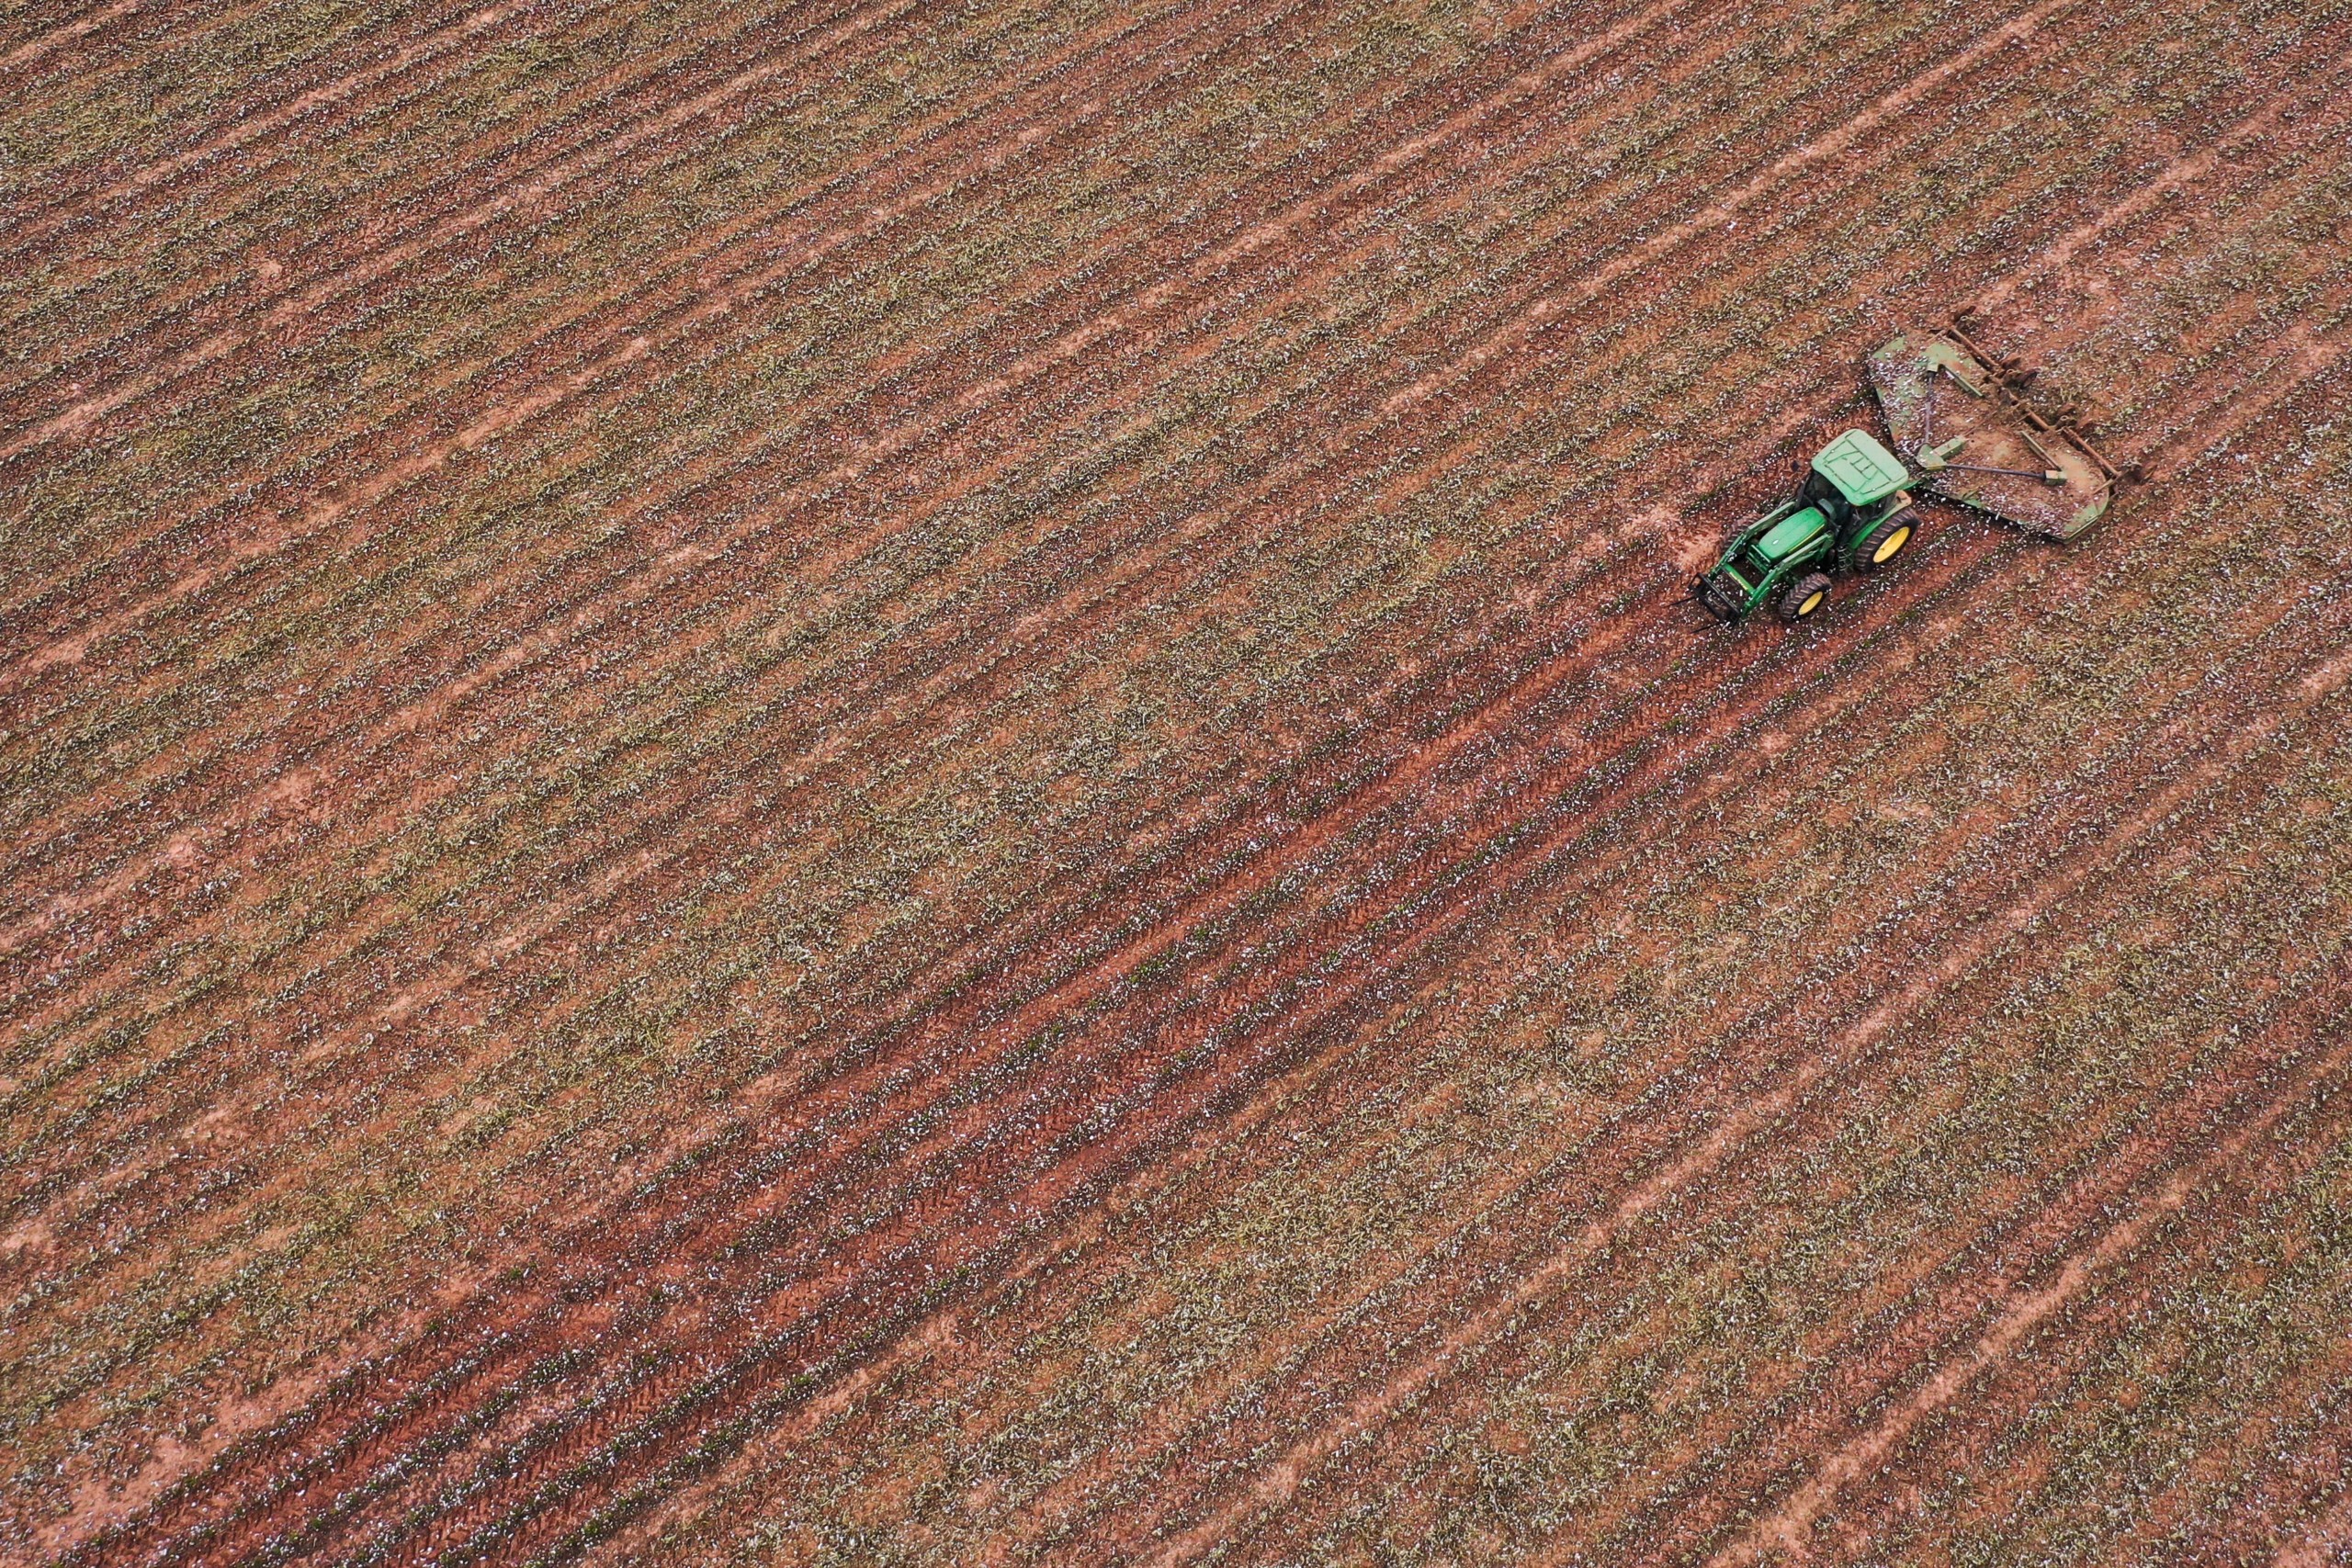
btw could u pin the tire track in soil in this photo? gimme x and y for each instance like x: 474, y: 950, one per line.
x: 100, y: 1506
x: 2305, y: 352
x: 33, y: 49
x: 2179, y: 175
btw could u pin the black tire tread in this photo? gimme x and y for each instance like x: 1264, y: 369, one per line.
x: 1857, y: 558
x: 1786, y: 604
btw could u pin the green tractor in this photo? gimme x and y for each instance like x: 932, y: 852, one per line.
x: 1854, y: 513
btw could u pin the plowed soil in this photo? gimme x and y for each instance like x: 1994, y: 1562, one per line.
x: 874, y: 783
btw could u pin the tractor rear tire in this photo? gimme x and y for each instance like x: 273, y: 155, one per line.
x: 1803, y: 597
x: 1888, y: 538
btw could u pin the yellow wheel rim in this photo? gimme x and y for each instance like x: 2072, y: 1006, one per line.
x: 1891, y: 543
x: 1806, y: 608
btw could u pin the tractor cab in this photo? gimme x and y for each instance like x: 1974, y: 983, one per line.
x: 1852, y: 472
x: 1944, y: 397
x: 1850, y: 512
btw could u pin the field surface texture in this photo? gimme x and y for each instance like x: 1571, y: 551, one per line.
x: 852, y: 782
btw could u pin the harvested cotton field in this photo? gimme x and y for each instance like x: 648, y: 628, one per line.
x: 838, y: 784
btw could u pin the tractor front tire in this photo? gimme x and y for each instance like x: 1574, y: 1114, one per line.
x: 1801, y: 598
x: 1888, y: 539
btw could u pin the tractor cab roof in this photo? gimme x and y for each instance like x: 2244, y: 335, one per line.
x: 1862, y: 470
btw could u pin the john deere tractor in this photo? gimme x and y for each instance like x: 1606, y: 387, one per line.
x: 1854, y: 513
x: 1944, y: 394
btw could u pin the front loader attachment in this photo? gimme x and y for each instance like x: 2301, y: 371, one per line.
x: 1961, y: 414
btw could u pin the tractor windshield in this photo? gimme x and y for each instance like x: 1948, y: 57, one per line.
x: 1822, y: 493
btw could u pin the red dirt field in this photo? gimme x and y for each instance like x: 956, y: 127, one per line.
x: 840, y: 783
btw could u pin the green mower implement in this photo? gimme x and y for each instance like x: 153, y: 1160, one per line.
x: 1853, y: 515
x: 1964, y: 416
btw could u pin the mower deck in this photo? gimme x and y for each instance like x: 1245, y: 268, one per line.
x: 1956, y: 411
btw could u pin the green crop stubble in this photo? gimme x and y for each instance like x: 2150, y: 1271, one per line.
x: 1930, y: 1175
x: 783, y: 146
x: 199, y: 73
x: 650, y: 401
